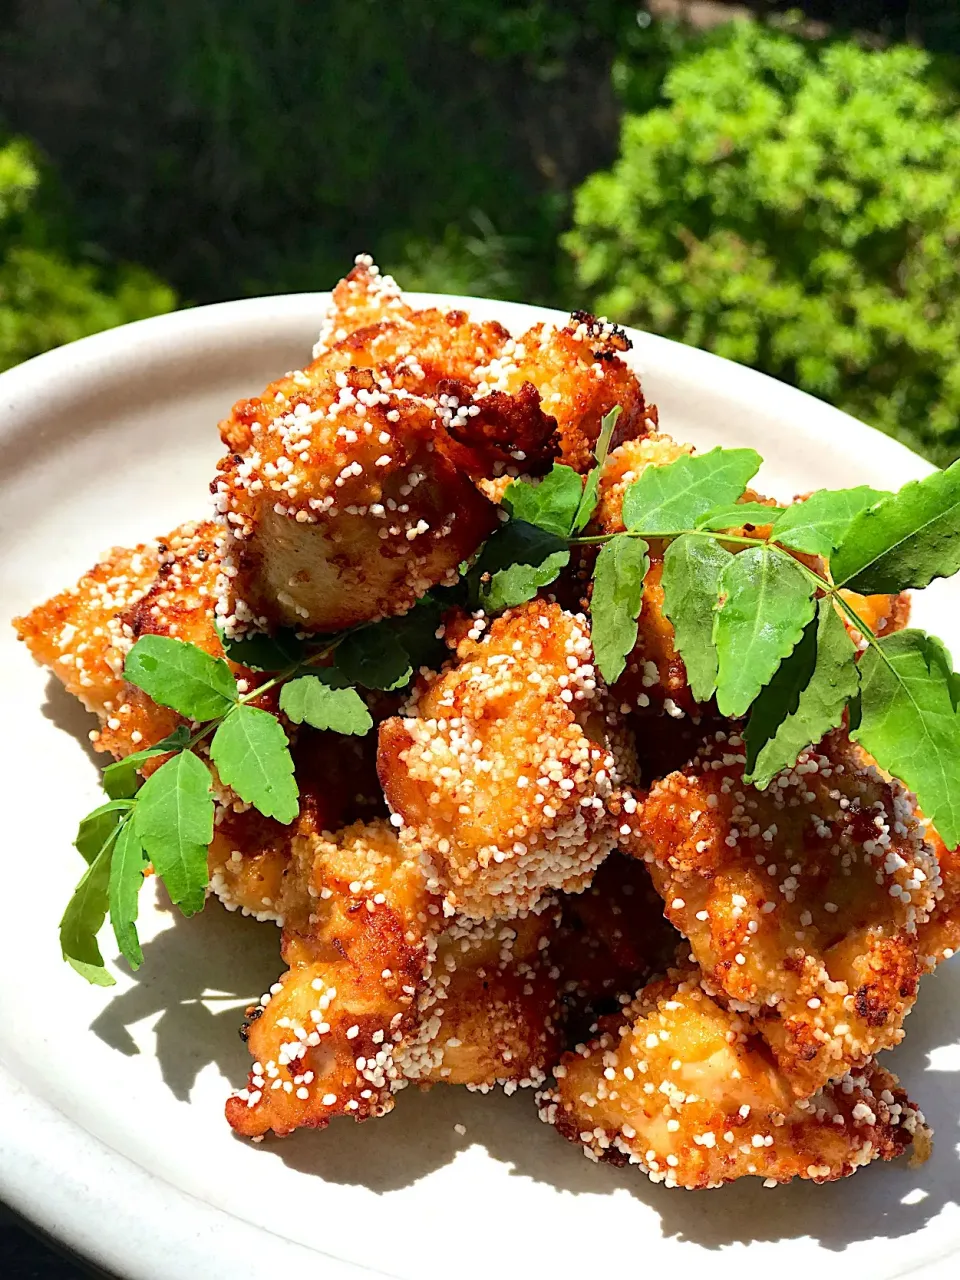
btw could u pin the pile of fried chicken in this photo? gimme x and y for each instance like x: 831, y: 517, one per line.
x: 522, y: 877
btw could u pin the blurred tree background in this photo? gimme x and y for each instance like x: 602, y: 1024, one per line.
x: 777, y: 186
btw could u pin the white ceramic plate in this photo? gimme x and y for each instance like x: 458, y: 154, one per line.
x: 112, y: 1136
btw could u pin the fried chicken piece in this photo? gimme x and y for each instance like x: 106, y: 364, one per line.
x: 579, y: 375
x: 250, y: 857
x: 801, y: 902
x: 503, y: 768
x: 612, y: 938
x: 489, y: 1013
x: 940, y: 934
x: 686, y: 1090
x: 363, y: 297
x: 323, y: 1037
x: 84, y: 633
x: 346, y: 509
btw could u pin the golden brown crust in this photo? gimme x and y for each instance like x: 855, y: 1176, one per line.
x: 801, y: 902
x: 503, y: 769
x: 940, y: 934
x: 685, y: 1090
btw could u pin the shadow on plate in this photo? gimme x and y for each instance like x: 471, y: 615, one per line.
x: 67, y: 713
x: 218, y: 957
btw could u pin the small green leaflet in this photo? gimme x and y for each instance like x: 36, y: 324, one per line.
x: 615, y: 604
x: 906, y: 540
x: 552, y: 504
x: 417, y: 630
x: 121, y: 779
x: 174, y: 820
x: 588, y: 499
x: 519, y: 559
x: 768, y: 602
x: 670, y: 499
x: 252, y: 755
x: 180, y: 675
x: 692, y: 569
x: 909, y: 722
x: 98, y: 826
x: 84, y: 917
x: 374, y: 658
x: 820, y: 523
x: 264, y: 653
x: 126, y: 879
x: 739, y: 513
x: 804, y: 700
x: 313, y: 700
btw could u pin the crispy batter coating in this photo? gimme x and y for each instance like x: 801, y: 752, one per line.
x: 250, y: 858
x: 489, y: 1013
x: 579, y: 375
x: 686, y: 1090
x: 84, y: 633
x: 345, y: 509
x: 801, y: 902
x: 503, y: 768
x: 940, y: 934
x: 324, y: 1038
x: 363, y: 297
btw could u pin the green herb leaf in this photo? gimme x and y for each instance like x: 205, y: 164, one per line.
x: 121, y: 779
x: 739, y: 513
x: 519, y: 559
x: 252, y: 755
x: 552, y: 504
x: 84, y: 917
x: 126, y: 879
x: 264, y: 653
x: 588, y: 499
x: 768, y: 602
x: 374, y: 657
x: 615, y: 604
x: 417, y: 630
x: 324, y: 706
x: 909, y: 722
x: 180, y: 675
x: 906, y: 540
x: 692, y: 570
x: 804, y: 700
x: 820, y: 523
x: 174, y: 820
x: 670, y: 499
x: 98, y: 826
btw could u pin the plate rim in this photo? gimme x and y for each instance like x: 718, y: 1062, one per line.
x: 67, y: 1183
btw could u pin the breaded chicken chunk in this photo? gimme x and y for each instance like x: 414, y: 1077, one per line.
x: 503, y: 770
x: 84, y: 633
x: 801, y: 902
x: 686, y: 1090
x: 344, y: 510
x: 489, y: 1013
x: 323, y: 1037
x: 363, y: 297
x: 940, y: 934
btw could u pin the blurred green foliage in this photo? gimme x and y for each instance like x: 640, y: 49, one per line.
x: 795, y: 207
x: 789, y: 203
x: 46, y: 296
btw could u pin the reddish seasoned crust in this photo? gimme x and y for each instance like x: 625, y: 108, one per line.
x: 503, y: 768
x: 801, y: 902
x: 84, y: 633
x: 580, y: 377
x: 940, y: 934
x: 250, y: 862
x: 505, y: 432
x: 686, y: 1090
x: 489, y: 1012
x: 344, y: 510
x: 355, y: 947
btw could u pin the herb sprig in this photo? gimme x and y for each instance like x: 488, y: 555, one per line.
x: 757, y: 596
x: 167, y: 818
